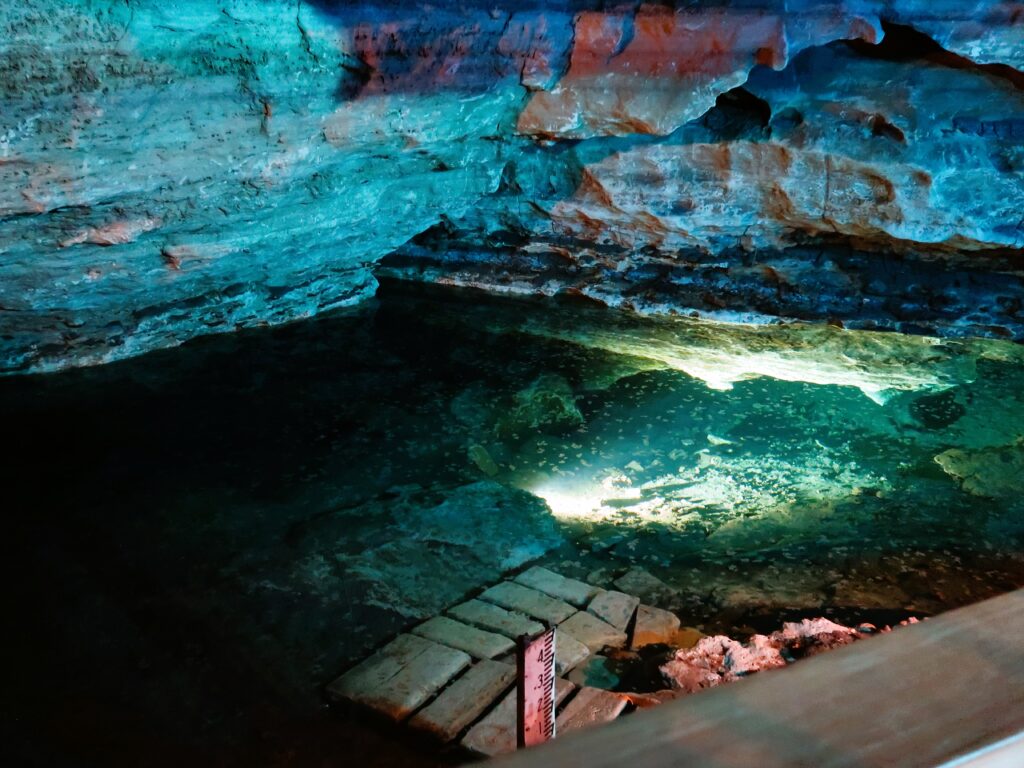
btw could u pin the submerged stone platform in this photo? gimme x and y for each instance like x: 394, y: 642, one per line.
x: 453, y: 675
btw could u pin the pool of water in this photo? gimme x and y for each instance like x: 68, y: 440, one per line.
x: 202, y: 537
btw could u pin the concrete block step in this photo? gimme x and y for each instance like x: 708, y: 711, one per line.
x: 616, y: 608
x: 516, y: 597
x: 476, y: 642
x: 496, y: 733
x: 569, y: 653
x: 572, y: 591
x: 465, y: 700
x: 653, y: 625
x: 401, y: 676
x: 592, y: 631
x: 490, y: 617
x: 591, y: 706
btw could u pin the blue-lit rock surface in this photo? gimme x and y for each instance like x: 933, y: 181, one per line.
x: 172, y: 170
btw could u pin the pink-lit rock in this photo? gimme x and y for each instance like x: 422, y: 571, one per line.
x: 655, y: 69
x: 720, y: 659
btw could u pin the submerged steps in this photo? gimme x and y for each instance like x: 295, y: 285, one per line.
x: 454, y: 674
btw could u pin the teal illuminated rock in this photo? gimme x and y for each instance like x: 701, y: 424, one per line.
x: 173, y: 170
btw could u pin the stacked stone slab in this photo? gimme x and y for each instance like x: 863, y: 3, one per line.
x: 452, y: 675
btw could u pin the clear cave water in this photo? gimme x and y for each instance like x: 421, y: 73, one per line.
x: 203, y: 537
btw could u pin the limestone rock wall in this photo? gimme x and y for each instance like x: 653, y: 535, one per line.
x: 174, y: 169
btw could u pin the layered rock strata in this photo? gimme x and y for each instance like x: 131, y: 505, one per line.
x: 168, y: 171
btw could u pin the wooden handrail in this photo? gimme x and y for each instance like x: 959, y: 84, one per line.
x: 921, y: 696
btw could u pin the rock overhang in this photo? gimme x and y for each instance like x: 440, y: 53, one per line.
x: 171, y: 172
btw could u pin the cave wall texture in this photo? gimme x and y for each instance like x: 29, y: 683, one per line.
x: 171, y: 169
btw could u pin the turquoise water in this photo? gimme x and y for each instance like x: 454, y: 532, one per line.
x: 205, y: 536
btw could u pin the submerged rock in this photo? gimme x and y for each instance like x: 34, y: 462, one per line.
x: 645, y: 585
x: 436, y: 555
x: 547, y: 405
x: 655, y: 626
x: 597, y: 671
x: 938, y: 410
x: 494, y: 524
x: 990, y: 472
x: 482, y: 459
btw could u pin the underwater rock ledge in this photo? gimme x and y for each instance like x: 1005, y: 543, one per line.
x: 170, y: 171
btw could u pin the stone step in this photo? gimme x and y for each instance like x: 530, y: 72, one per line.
x: 572, y: 591
x: 592, y: 631
x: 494, y: 619
x: 476, y: 642
x: 590, y: 706
x: 465, y: 700
x: 379, y: 668
x: 653, y: 625
x: 569, y: 652
x: 616, y: 608
x: 644, y: 585
x: 496, y: 733
x: 401, y: 676
x: 516, y: 597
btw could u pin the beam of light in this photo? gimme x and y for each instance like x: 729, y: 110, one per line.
x: 581, y: 501
x: 569, y: 504
x: 790, y: 494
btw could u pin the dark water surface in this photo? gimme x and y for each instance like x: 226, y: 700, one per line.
x: 202, y: 537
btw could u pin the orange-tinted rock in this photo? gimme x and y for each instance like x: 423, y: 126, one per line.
x: 115, y: 233
x: 654, y: 70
